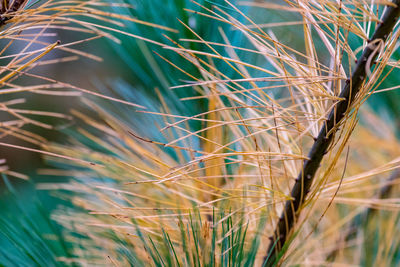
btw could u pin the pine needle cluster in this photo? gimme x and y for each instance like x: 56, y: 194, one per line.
x: 275, y: 168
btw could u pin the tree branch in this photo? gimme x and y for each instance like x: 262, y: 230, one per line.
x: 323, y: 141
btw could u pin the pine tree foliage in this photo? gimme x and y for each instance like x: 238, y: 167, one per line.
x: 158, y: 184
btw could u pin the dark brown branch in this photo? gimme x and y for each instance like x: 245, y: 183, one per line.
x: 324, y: 140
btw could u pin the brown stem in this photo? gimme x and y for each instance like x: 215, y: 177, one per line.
x: 323, y: 141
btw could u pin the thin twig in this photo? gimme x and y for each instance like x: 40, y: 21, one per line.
x: 326, y: 136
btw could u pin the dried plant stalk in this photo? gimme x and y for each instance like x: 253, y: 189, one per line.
x: 326, y: 135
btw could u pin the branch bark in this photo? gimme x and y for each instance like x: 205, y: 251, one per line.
x: 326, y: 136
